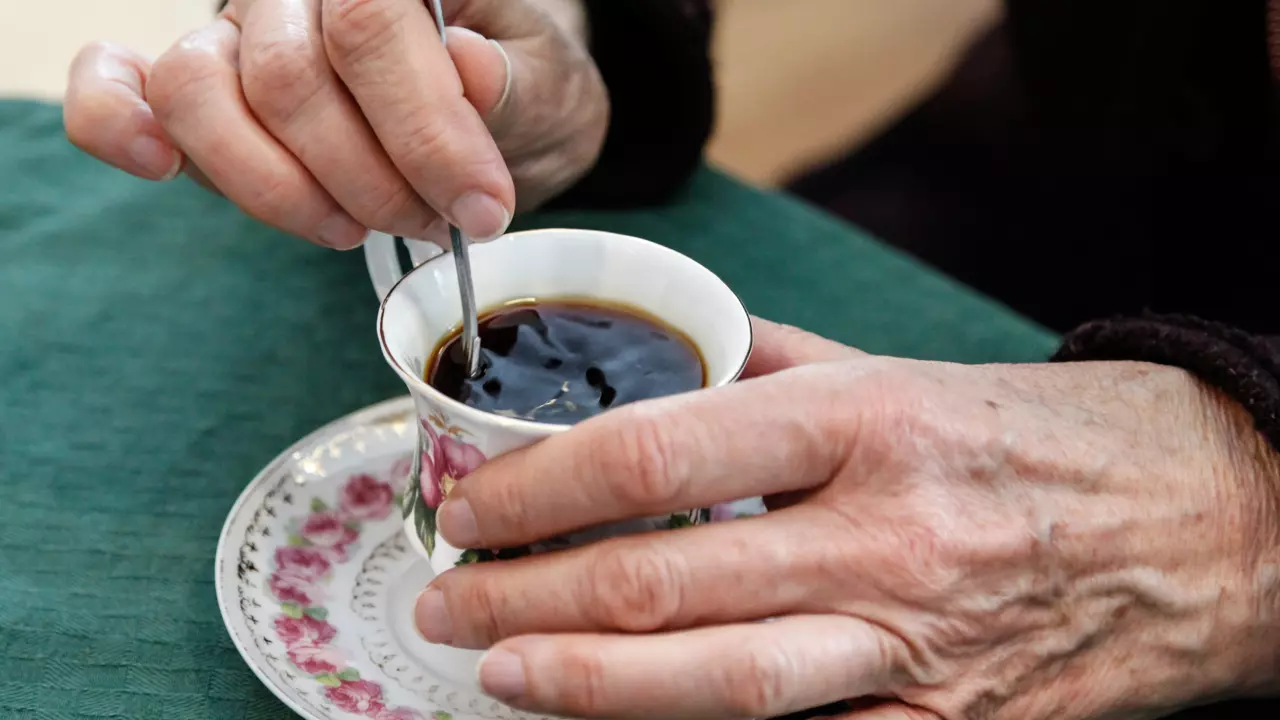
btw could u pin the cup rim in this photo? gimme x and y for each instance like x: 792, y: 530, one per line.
x: 418, y: 385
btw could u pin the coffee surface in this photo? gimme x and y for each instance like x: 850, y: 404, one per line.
x: 563, y: 361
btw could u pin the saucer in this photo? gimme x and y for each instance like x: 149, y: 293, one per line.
x: 316, y: 582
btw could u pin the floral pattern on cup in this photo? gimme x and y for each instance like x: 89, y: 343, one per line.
x: 449, y: 459
x: 300, y: 573
x: 443, y: 458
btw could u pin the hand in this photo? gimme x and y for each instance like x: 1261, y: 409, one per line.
x: 995, y: 542
x: 326, y: 118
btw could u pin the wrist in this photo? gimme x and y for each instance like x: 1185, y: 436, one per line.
x: 1252, y: 464
x: 1175, y: 549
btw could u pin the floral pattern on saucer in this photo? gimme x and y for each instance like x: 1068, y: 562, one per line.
x: 315, y: 581
x: 301, y: 573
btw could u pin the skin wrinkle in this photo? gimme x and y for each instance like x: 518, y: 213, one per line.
x: 1119, y: 591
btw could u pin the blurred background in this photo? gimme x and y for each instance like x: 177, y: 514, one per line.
x: 786, y: 67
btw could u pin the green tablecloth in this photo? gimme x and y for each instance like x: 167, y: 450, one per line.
x: 157, y: 348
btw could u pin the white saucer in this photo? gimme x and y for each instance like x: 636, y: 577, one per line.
x: 316, y: 582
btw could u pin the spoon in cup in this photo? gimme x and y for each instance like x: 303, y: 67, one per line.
x: 462, y: 263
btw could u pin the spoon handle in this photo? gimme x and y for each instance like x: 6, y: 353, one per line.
x: 462, y: 261
x: 438, y: 12
x: 467, y: 290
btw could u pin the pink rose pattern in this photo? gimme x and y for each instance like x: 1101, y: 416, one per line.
x: 305, y: 630
x: 299, y: 575
x: 360, y: 697
x: 366, y: 498
x: 445, y: 463
x: 329, y: 530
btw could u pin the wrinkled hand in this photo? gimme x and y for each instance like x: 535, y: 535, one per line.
x: 326, y: 118
x: 1013, y: 542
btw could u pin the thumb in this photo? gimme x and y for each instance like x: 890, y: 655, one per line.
x: 777, y: 347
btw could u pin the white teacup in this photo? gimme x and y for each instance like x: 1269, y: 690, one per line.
x: 423, y: 308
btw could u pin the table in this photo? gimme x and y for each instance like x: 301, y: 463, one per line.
x: 157, y: 348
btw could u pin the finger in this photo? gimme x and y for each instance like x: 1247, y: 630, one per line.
x: 195, y: 92
x: 389, y: 55
x: 106, y: 115
x: 484, y: 69
x: 479, y: 33
x: 753, y: 438
x: 728, y: 671
x: 293, y: 91
x: 639, y: 583
x: 778, y: 347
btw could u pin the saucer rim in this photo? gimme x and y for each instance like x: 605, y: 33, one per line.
x: 401, y: 406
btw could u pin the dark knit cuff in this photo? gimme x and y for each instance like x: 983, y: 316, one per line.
x: 654, y: 56
x: 1245, y: 367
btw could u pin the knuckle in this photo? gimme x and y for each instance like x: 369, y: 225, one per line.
x: 434, y: 142
x: 585, y: 687
x: 642, y: 457
x: 476, y: 616
x: 278, y: 198
x: 264, y: 200
x: 354, y: 28
x: 90, y: 53
x: 390, y: 210
x: 181, y: 79
x: 499, y: 506
x: 758, y: 682
x: 636, y: 590
x: 84, y: 118
x: 279, y: 77
x: 932, y: 570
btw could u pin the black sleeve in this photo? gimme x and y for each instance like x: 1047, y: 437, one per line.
x: 654, y: 56
x: 1246, y: 367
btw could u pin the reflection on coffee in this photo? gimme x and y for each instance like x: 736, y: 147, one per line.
x: 562, y: 361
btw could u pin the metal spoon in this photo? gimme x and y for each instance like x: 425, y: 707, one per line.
x: 462, y: 262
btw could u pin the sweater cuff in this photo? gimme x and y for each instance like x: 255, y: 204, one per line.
x: 1246, y: 367
x: 654, y: 57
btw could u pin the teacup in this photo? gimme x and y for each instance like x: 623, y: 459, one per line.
x: 423, y: 308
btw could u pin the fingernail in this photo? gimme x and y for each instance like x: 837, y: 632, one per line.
x: 155, y: 158
x: 341, y: 232
x: 432, y: 617
x: 457, y: 523
x: 502, y: 675
x: 481, y: 217
x: 459, y: 30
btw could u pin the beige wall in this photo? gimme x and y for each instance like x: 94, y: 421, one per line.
x: 799, y: 78
x: 38, y: 38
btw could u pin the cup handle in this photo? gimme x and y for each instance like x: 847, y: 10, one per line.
x: 383, y: 260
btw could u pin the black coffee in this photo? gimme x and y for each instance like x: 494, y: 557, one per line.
x: 563, y: 361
